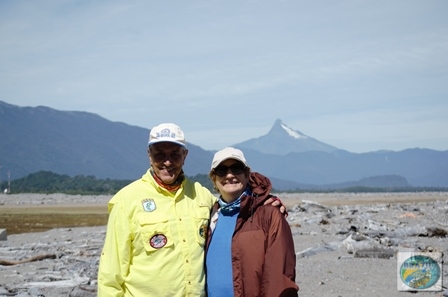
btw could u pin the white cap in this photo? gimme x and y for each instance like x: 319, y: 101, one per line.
x: 167, y: 132
x: 228, y: 153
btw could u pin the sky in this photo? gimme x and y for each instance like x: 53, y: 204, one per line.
x: 361, y: 75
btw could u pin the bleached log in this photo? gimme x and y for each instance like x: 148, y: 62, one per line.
x: 3, y: 234
x: 76, y: 281
x: 328, y: 247
x: 32, y: 259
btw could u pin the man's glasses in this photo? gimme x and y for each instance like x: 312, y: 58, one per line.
x: 235, y: 169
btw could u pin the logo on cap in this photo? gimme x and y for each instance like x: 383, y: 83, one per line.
x: 166, y: 133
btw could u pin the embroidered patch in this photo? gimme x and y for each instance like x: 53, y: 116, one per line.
x: 158, y: 241
x: 203, y: 231
x: 149, y: 205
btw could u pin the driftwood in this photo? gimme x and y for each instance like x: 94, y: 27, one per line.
x: 375, y: 252
x: 332, y: 246
x: 68, y: 283
x: 32, y: 259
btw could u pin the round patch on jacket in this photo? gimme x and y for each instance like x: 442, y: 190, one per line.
x: 203, y: 231
x: 158, y: 241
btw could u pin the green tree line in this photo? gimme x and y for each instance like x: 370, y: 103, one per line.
x: 47, y: 182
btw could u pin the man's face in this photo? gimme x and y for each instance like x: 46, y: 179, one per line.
x: 167, y: 160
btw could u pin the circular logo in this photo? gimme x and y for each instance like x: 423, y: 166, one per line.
x: 158, y: 241
x: 203, y: 231
x: 420, y: 272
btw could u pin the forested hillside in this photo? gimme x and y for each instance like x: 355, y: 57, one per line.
x: 49, y: 182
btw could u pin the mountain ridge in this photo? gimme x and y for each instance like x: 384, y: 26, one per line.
x: 82, y: 143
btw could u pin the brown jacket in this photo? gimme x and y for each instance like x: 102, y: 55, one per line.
x: 263, y: 256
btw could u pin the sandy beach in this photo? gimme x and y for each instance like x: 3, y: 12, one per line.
x: 329, y: 261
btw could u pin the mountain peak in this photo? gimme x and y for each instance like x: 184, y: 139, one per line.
x: 282, y: 140
x: 280, y: 127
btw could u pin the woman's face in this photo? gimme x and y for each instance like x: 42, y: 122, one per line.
x: 233, y: 181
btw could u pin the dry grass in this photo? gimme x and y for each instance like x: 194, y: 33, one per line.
x: 37, y: 219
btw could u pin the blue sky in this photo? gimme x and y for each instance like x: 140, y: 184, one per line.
x: 359, y: 75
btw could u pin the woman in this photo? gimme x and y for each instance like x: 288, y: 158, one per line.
x: 250, y: 250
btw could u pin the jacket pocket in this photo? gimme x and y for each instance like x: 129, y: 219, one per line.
x: 155, y: 232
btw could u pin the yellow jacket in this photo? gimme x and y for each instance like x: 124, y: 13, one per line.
x: 154, y: 244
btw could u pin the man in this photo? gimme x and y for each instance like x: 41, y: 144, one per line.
x: 157, y: 227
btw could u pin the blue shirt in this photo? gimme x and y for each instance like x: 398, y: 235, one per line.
x: 219, y: 256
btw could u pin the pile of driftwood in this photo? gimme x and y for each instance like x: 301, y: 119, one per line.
x: 59, y: 262
x: 374, y: 231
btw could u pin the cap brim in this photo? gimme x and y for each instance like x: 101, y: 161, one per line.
x: 166, y: 140
x: 216, y: 164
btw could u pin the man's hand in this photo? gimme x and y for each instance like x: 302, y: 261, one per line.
x: 275, y: 201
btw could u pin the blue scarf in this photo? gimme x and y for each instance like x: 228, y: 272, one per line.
x: 227, y: 208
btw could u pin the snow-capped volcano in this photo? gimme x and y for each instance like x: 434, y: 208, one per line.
x: 282, y: 140
x: 291, y: 132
